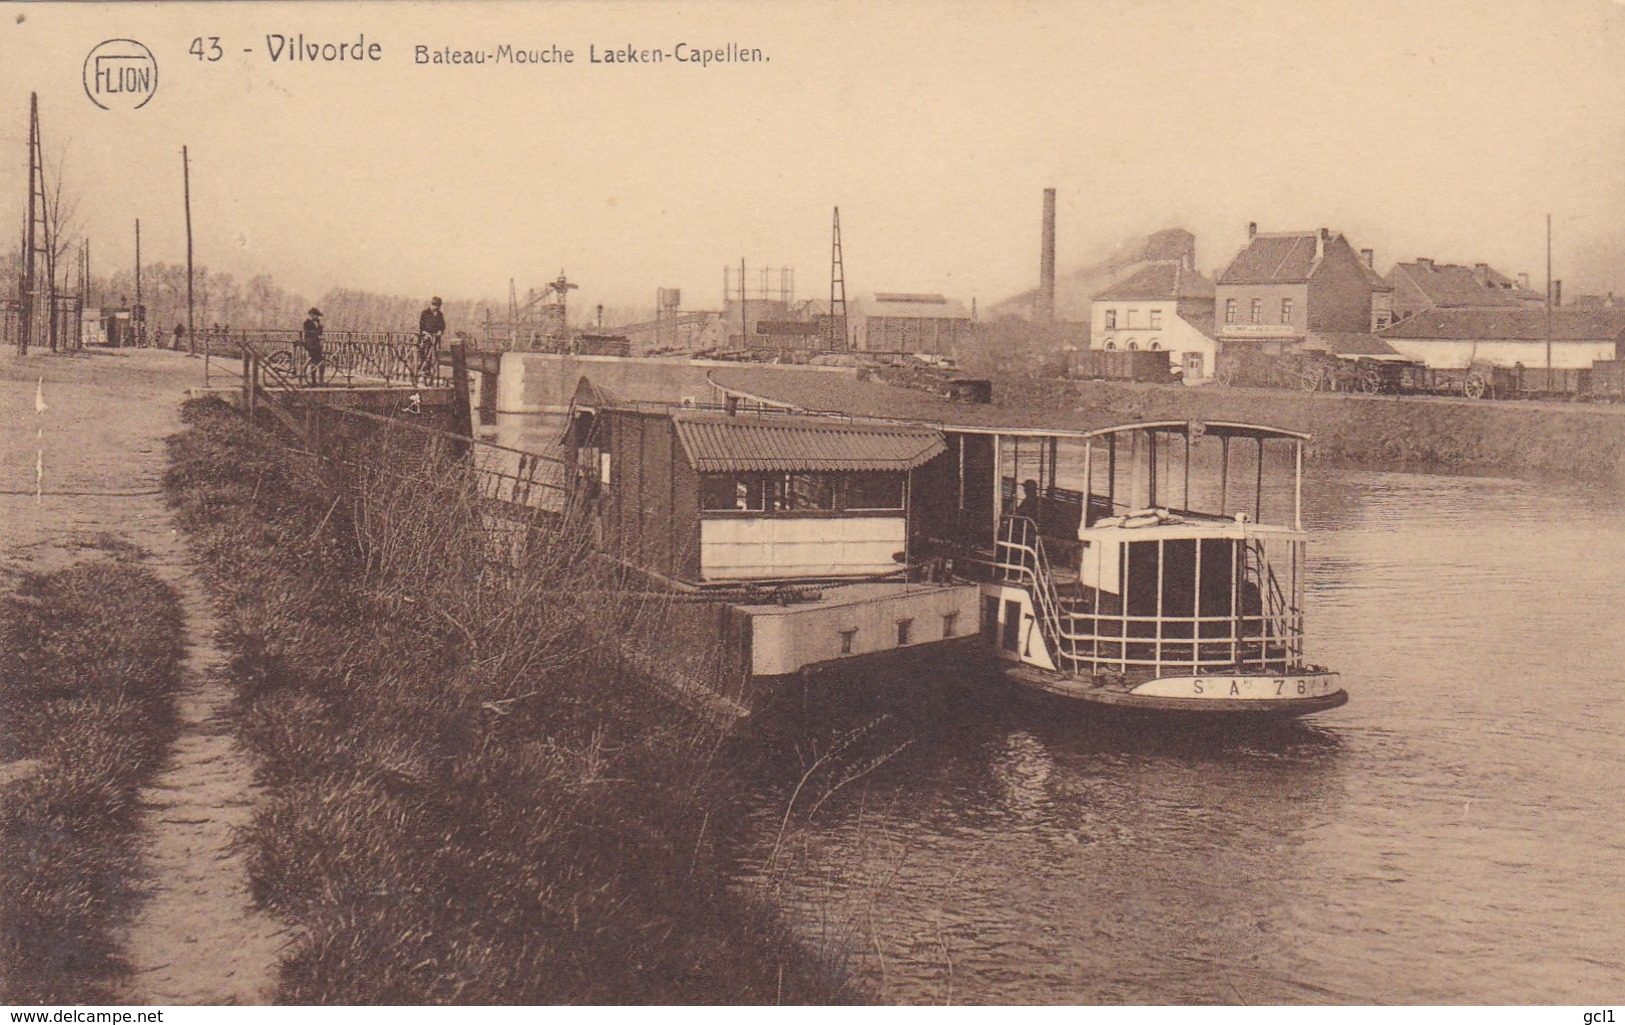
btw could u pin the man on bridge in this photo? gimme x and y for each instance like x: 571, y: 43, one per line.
x: 431, y: 326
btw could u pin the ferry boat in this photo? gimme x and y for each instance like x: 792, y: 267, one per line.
x: 1156, y: 567
x: 1170, y: 580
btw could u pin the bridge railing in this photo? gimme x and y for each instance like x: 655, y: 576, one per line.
x: 348, y: 357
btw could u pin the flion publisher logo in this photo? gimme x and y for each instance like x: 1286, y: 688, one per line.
x: 120, y: 74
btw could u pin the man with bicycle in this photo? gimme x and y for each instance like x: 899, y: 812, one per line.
x: 310, y: 339
x: 431, y: 326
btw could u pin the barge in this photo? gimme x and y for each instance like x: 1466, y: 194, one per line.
x: 1152, y: 567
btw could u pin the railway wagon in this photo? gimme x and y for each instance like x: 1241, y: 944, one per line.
x: 1149, y: 366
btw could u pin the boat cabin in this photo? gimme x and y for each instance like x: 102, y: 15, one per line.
x: 1140, y: 551
x: 703, y: 496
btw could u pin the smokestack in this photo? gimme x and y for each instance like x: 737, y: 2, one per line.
x: 1044, y: 309
x: 1370, y: 258
x: 1252, y: 230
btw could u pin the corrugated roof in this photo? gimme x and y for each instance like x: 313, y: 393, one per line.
x: 1164, y: 279
x: 717, y: 443
x: 1513, y: 323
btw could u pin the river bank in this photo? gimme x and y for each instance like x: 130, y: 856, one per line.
x: 1537, y: 440
x: 469, y: 799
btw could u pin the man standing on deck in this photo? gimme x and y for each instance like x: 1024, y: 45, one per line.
x: 431, y: 325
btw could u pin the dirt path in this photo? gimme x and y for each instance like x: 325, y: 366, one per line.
x: 195, y: 939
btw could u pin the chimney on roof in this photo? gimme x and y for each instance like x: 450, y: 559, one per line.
x: 1523, y: 280
x: 1252, y: 230
x: 1370, y: 258
x: 1044, y: 309
x: 1557, y: 292
x: 1424, y: 262
x: 1320, y: 244
x: 1481, y: 274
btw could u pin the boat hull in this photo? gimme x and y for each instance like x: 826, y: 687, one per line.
x: 1254, y: 697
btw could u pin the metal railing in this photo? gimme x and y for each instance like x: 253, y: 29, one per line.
x: 1087, y: 640
x: 349, y: 358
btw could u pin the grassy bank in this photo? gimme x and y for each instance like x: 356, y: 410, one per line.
x: 470, y: 799
x: 89, y: 661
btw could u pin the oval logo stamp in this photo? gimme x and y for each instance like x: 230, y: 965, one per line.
x: 120, y: 74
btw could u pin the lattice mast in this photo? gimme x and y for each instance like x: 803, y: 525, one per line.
x: 837, y: 289
x: 35, y: 233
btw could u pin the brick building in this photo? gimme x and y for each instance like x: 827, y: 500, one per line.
x: 1282, y: 286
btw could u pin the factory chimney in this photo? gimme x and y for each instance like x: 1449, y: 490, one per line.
x: 1044, y: 308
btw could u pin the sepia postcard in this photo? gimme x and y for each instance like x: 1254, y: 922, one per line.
x: 711, y: 503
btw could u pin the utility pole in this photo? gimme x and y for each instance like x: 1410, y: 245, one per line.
x: 139, y: 314
x: 1548, y: 385
x: 31, y: 240
x: 186, y: 180
x: 837, y: 290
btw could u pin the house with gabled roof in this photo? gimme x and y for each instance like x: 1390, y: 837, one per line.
x: 1282, y: 286
x: 1425, y: 285
x: 1165, y: 304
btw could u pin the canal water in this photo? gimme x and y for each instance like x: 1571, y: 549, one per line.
x: 1455, y: 834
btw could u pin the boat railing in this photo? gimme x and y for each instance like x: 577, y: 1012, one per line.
x: 1095, y: 640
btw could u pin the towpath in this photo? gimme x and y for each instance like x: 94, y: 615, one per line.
x: 83, y: 475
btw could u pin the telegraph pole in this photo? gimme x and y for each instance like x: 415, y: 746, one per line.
x: 1548, y: 385
x: 139, y: 314
x: 186, y: 180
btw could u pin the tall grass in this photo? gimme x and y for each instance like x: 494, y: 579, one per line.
x: 472, y: 799
x: 89, y: 660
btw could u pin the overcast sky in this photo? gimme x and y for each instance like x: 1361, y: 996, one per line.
x: 1419, y: 129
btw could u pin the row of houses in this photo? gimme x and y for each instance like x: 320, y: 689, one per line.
x: 1285, y: 292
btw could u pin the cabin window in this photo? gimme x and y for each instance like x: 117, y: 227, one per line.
x: 1111, y: 319
x: 730, y: 491
x: 1286, y: 311
x: 802, y: 492
x: 1258, y: 311
x: 1229, y: 311
x: 793, y: 493
x: 1156, y: 318
x: 874, y: 491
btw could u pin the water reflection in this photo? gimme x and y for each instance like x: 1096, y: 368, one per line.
x: 1454, y: 834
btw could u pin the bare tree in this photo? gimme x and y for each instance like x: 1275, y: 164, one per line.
x: 61, y: 223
